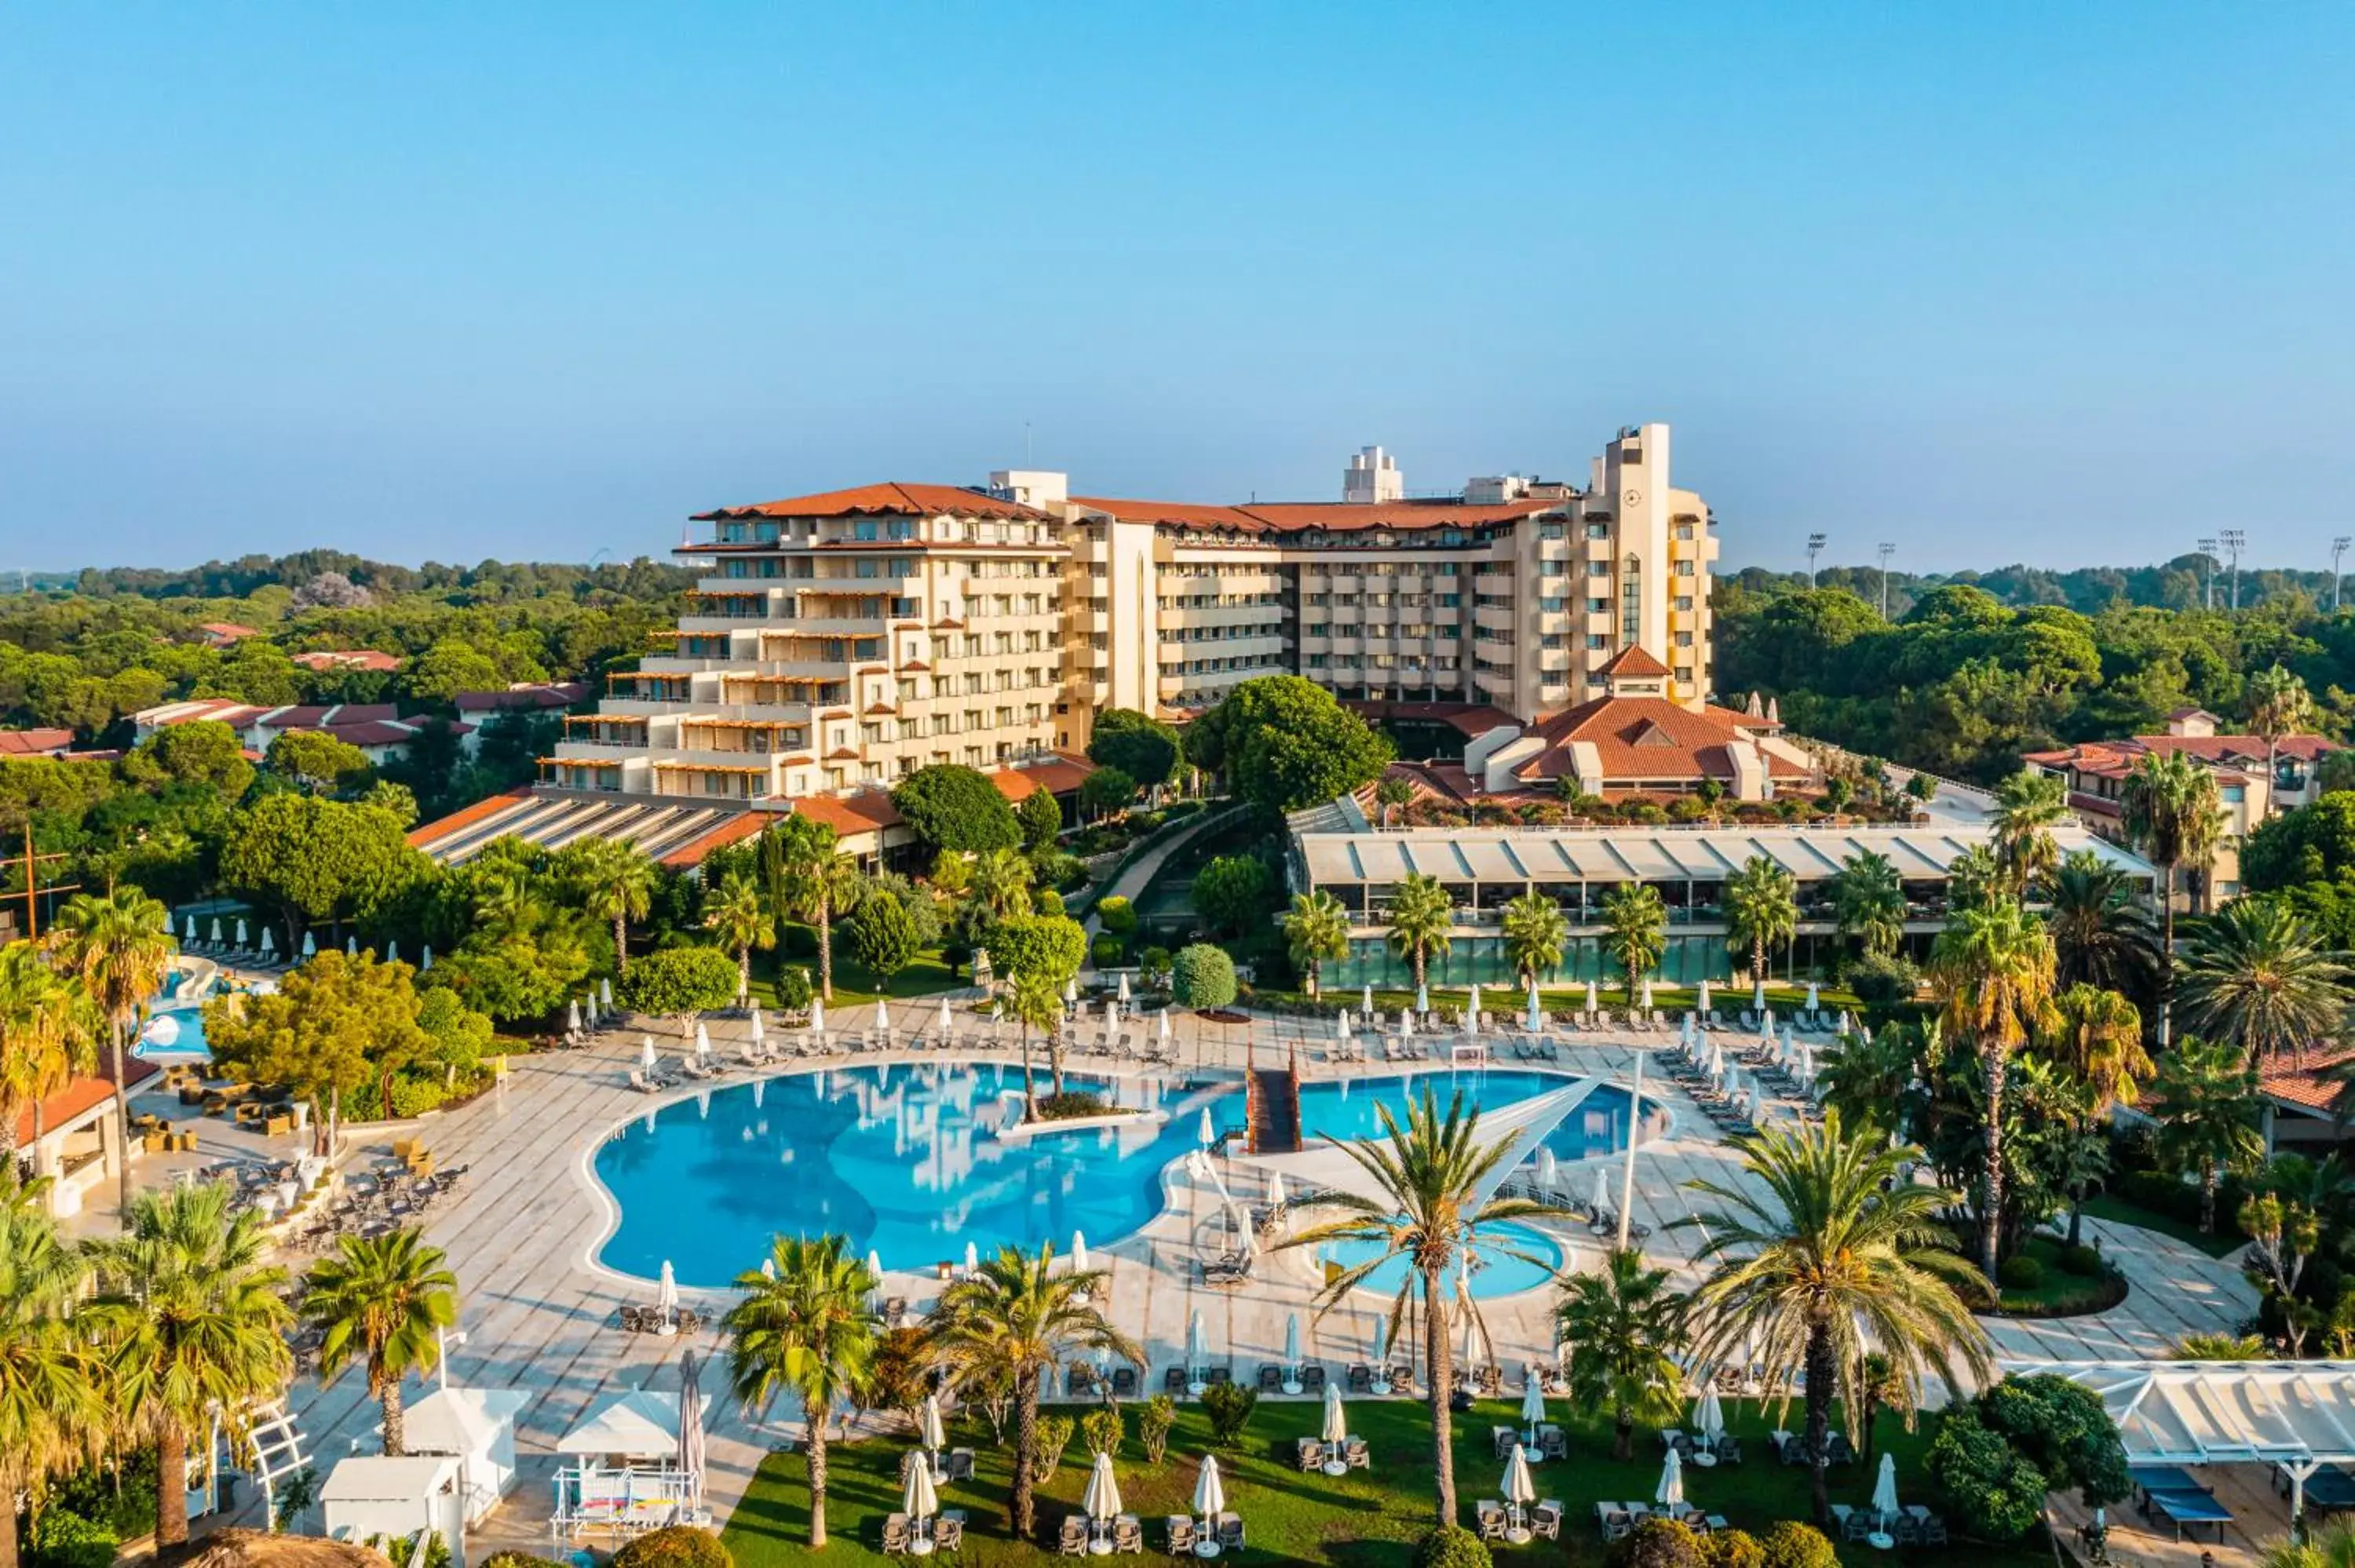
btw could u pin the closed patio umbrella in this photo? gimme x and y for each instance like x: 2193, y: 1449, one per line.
x: 948, y: 1023
x: 929, y: 1428
x: 1335, y: 1429
x: 1292, y: 1353
x: 1885, y: 1488
x: 817, y: 1016
x: 882, y: 1018
x: 758, y: 1036
x: 1532, y: 1406
x: 1702, y: 1004
x: 1471, y: 1332
x: 1537, y: 1015
x: 1210, y: 1134
x: 1070, y: 992
x: 667, y: 1294
x: 1123, y: 987
x: 1519, y: 1490
x: 1601, y: 1188
x: 1549, y: 1173
x: 1275, y: 1189
x: 1709, y: 1416
x: 1406, y: 1021
x: 1422, y: 999
x: 269, y: 943
x: 691, y: 1427
x: 972, y: 1258
x: 918, y: 1498
x: 1079, y: 1252
x: 1382, y: 1353
x: 1812, y: 1003
x: 188, y: 931
x: 572, y: 1018
x: 1198, y: 1353
x: 428, y: 962
x: 1671, y: 1492
x: 1593, y: 1002
x: 1472, y: 1009
x: 605, y: 992
x: 1101, y: 1502
x: 646, y: 1052
x: 1365, y: 993
x: 1209, y: 1493
x: 702, y: 1041
x: 217, y: 931
x: 1646, y: 1003
x: 1341, y: 1026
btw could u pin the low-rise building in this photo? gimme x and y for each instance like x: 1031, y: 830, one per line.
x: 349, y: 659
x: 376, y: 728
x: 2096, y: 770
x: 43, y: 742
x: 223, y: 633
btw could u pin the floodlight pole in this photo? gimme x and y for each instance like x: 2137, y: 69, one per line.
x: 1814, y: 548
x: 2233, y: 539
x: 2207, y: 588
x: 1885, y: 550
x: 2338, y: 549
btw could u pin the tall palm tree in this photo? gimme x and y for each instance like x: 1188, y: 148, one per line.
x: 1317, y: 932
x: 2257, y: 975
x: 1825, y: 1251
x: 2028, y: 806
x: 1992, y: 966
x: 51, y: 1411
x: 801, y: 1325
x: 1010, y: 1323
x: 811, y: 880
x: 2279, y: 707
x: 1001, y: 883
x: 189, y: 1318
x: 1622, y: 1326
x: 2207, y: 1106
x: 1033, y: 1001
x: 1762, y: 911
x: 1421, y: 915
x: 120, y: 943
x: 1432, y: 1183
x: 1866, y: 1079
x: 1390, y: 792
x: 2095, y: 1037
x: 1536, y: 936
x: 382, y: 1301
x: 1973, y: 878
x: 1636, y: 930
x: 46, y: 1024
x: 2103, y: 935
x: 614, y: 882
x: 2170, y: 810
x: 1869, y: 902
x: 735, y: 912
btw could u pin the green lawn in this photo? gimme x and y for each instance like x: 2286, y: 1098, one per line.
x: 2221, y: 1244
x: 852, y: 982
x: 1361, y: 1520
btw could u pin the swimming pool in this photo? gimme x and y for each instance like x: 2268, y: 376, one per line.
x: 1506, y: 1259
x: 176, y: 1034
x: 906, y: 1160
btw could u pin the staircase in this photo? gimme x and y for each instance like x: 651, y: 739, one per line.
x: 1274, y: 1105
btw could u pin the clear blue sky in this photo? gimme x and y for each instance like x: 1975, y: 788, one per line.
x: 2064, y: 283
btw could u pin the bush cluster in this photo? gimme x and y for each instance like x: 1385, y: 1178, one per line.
x: 1791, y: 1544
x: 675, y: 1546
x: 1451, y: 1546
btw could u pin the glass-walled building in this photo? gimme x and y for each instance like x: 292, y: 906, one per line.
x: 1483, y: 869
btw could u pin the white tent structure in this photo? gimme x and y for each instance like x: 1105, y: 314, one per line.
x: 2299, y: 1415
x: 639, y: 1424
x: 625, y: 1476
x: 367, y: 1494
x: 477, y: 1427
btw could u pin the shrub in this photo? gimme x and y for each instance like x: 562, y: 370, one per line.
x: 1104, y: 952
x: 1983, y: 1478
x: 1070, y: 1106
x: 520, y: 1560
x: 675, y: 1546
x: 1101, y: 1430
x: 1451, y: 1546
x: 1883, y: 981
x: 2020, y: 1272
x: 679, y: 981
x: 951, y: 807
x: 1791, y: 1544
x: 1154, y: 1421
x: 1732, y: 1548
x: 1229, y: 1406
x: 62, y: 1538
x: 1052, y: 1437
x: 1117, y: 914
x: 882, y: 937
x: 1039, y: 818
x: 1658, y: 1543
x: 1154, y: 960
x: 2064, y: 1430
x: 1046, y: 901
x: 1202, y: 976
x: 794, y: 987
x: 1232, y: 891
x: 2083, y: 1261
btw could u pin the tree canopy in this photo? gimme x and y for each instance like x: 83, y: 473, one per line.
x: 950, y: 807
x: 1286, y: 743
x: 313, y: 860
x: 1144, y: 749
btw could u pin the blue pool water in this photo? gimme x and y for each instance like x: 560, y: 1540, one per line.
x: 1506, y: 1258
x: 906, y: 1160
x: 177, y: 1034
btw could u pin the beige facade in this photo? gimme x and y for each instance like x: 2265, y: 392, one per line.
x: 843, y: 640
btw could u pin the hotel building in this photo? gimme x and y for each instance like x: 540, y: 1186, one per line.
x: 840, y: 642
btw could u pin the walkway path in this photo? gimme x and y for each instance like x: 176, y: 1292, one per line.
x: 1138, y: 873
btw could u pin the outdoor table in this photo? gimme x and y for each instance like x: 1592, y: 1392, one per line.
x: 2328, y: 1488
x: 2193, y: 1508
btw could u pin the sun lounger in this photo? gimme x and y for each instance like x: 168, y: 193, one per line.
x: 1308, y: 1454
x: 1180, y: 1538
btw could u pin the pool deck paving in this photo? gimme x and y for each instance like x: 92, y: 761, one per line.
x: 540, y: 1315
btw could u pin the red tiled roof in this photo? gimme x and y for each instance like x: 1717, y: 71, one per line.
x: 348, y: 658
x: 743, y: 825
x: 851, y: 814
x: 1334, y: 516
x: 1636, y: 663
x: 1471, y: 718
x: 2309, y: 1086
x: 34, y: 742
x: 891, y: 499
x: 70, y: 1102
x: 333, y: 715
x: 1056, y: 775
x: 1645, y: 737
x: 227, y: 631
x: 426, y: 832
x: 2116, y: 759
x: 530, y: 694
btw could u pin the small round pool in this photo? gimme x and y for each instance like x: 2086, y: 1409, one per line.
x: 1507, y: 1258
x: 177, y: 1035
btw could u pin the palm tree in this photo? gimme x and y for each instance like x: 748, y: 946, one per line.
x: 1636, y: 927
x: 1825, y: 1251
x: 384, y: 1301
x: 2255, y: 973
x: 2208, y: 1109
x: 614, y: 882
x: 2278, y: 707
x: 1421, y: 913
x: 1993, y: 969
x: 1317, y: 931
x: 1869, y: 902
x: 1621, y: 1326
x: 1866, y: 1079
x: 2095, y: 1037
x: 189, y: 1318
x: 812, y: 881
x: 51, y: 1411
x: 2081, y: 1159
x: 1010, y: 1323
x: 1432, y: 1181
x: 1390, y: 792
x: 736, y: 913
x: 1762, y: 910
x: 1032, y: 1000
x: 803, y: 1327
x: 1001, y: 883
x: 2330, y: 1544
x: 1972, y: 877
x: 2028, y: 806
x: 120, y: 943
x: 2171, y: 811
x: 46, y: 1021
x: 2102, y: 934
x: 1536, y: 935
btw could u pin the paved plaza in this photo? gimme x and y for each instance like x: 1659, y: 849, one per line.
x: 540, y: 1316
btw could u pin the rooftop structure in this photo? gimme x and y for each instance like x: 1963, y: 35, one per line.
x: 376, y: 728
x: 46, y: 742
x: 348, y: 658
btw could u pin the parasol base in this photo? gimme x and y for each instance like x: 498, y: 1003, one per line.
x: 1381, y: 1385
x: 1206, y: 1549
x: 920, y: 1547
x: 1292, y: 1387
x: 1705, y: 1459
x: 1881, y: 1541
x: 1099, y: 1547
x: 1336, y: 1467
x: 1519, y: 1535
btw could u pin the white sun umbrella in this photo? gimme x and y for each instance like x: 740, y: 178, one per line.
x: 882, y: 1018
x: 1671, y: 1492
x: 1847, y: 1024
x: 1593, y: 1000
x: 1519, y: 1490
x: 702, y: 1039
x: 1422, y: 999
x: 1537, y: 1017
x: 1471, y: 1328
x: 1701, y: 1005
x: 1275, y: 1188
x: 918, y: 1498
x: 605, y: 992
x: 1381, y: 1354
x: 217, y: 931
x: 1102, y: 1499
x: 572, y: 1018
x: 1292, y: 1353
x: 310, y: 944
x: 1406, y: 1021
x: 759, y: 1036
x: 1767, y: 1023
x: 188, y: 931
x: 1209, y: 1135
x: 1532, y: 1406
x: 1365, y: 993
x: 1646, y: 1002
x: 1549, y: 1173
x: 240, y: 931
x: 1070, y: 991
x: 1341, y: 1026
x: 666, y: 1292
x: 1811, y: 1001
x: 1335, y: 1430
x: 1472, y: 1007
x: 428, y: 962
x: 972, y: 1257
x: 1079, y: 1252
x: 947, y: 1023
x: 1806, y: 1064
x: 817, y: 1015
x: 929, y: 1429
x: 1885, y: 1488
x: 1198, y: 1353
x: 1209, y: 1493
x: 646, y: 1052
x: 1601, y: 1188
x: 1162, y: 1027
x: 269, y: 945
x: 1123, y: 986
x: 1709, y: 1416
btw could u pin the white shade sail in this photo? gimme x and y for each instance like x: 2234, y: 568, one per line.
x: 2216, y: 1413
x: 641, y: 1423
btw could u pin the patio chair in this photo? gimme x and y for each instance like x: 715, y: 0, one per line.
x: 1174, y: 1380
x: 1728, y: 1450
x: 634, y: 1319
x: 1613, y: 1520
x: 1934, y: 1531
x: 1503, y: 1438
x: 960, y: 1464
x: 1312, y: 1379
x: 1554, y: 1443
x: 1361, y: 1378
x: 1127, y: 1535
x: 1401, y: 1378
x: 1907, y: 1530
x: 1547, y: 1519
x: 1271, y: 1378
x: 1356, y: 1455
x: 1124, y: 1382
x: 1309, y: 1453
x: 1073, y: 1539
x: 1221, y: 1374
x: 1231, y: 1532
x: 895, y: 1535
x: 948, y: 1534
x: 1837, y: 1450
x: 1491, y: 1518
x: 1180, y: 1540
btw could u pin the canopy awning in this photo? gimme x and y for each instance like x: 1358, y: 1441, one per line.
x: 1525, y: 1122
x: 640, y: 1424
x: 461, y: 1420
x: 2224, y: 1412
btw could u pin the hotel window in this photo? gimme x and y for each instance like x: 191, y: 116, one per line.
x: 1598, y: 607
x: 1684, y: 568
x: 1684, y: 638
x: 1550, y: 531
x: 1553, y: 604
x: 1597, y: 642
x: 1598, y: 530
x: 1684, y: 602
x: 1598, y: 569
x: 1631, y: 602
x: 1551, y: 568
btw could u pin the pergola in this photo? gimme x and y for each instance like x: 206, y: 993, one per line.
x: 2299, y: 1415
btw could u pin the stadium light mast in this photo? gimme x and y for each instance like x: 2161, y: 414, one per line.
x: 2338, y: 549
x: 2207, y: 588
x: 1884, y: 550
x: 1814, y: 548
x: 2233, y: 538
